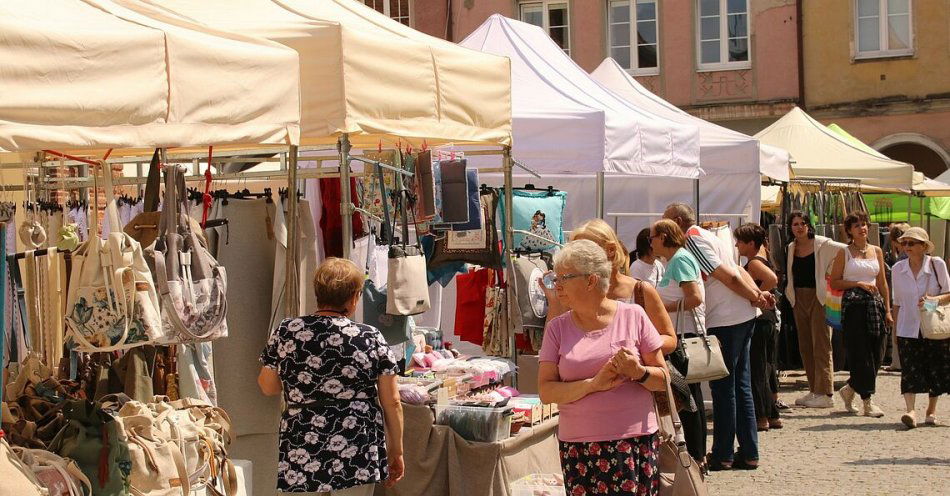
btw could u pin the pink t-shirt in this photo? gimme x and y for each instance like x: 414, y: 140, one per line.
x: 624, y: 411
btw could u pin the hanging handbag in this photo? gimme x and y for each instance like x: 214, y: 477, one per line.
x: 935, y: 324
x: 679, y: 472
x: 407, y: 285
x: 111, y: 303
x: 144, y: 226
x: 704, y: 361
x: 193, y: 286
x: 394, y: 328
x: 526, y: 274
x: 480, y: 246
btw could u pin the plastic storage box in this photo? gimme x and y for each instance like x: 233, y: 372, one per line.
x: 539, y: 485
x: 475, y: 423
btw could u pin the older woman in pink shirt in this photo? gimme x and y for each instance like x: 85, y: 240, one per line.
x: 599, y: 363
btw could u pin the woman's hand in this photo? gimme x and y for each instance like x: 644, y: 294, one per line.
x: 397, y: 468
x: 869, y: 287
x: 627, y: 363
x: 607, y: 378
x: 889, y: 318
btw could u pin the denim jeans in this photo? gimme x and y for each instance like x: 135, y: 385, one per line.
x: 733, y: 409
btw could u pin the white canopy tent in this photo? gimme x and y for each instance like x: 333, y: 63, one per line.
x: 821, y: 153
x: 93, y: 75
x: 364, y: 76
x: 565, y: 122
x: 722, y: 150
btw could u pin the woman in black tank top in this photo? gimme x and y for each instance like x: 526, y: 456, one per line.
x: 763, y: 355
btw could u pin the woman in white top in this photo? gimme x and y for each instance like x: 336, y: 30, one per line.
x: 865, y: 311
x: 925, y: 362
x: 646, y: 267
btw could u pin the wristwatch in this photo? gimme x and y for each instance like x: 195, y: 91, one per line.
x: 646, y: 375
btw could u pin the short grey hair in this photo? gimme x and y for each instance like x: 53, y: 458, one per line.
x: 586, y: 257
x: 681, y: 210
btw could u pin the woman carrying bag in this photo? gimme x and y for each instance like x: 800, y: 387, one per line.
x: 807, y: 260
x: 858, y: 270
x: 682, y: 292
x: 926, y: 362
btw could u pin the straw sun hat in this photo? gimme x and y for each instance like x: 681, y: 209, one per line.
x: 918, y: 234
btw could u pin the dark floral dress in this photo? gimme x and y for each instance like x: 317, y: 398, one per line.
x: 336, y: 438
x: 624, y: 466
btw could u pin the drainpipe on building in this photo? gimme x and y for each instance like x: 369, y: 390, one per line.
x: 799, y: 10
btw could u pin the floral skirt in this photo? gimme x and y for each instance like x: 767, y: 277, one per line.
x: 624, y: 466
x: 925, y: 366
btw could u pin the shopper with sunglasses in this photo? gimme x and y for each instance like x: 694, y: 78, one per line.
x: 682, y: 284
x: 600, y: 362
x: 925, y: 362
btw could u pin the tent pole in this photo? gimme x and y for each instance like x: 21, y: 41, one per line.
x: 923, y: 202
x: 599, y: 194
x: 921, y: 211
x: 910, y: 206
x: 291, y: 288
x: 346, y: 203
x: 509, y: 242
x: 696, y: 197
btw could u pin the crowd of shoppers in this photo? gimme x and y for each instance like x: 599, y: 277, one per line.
x: 613, y: 339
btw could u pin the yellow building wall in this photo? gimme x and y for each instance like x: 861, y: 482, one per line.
x: 832, y: 75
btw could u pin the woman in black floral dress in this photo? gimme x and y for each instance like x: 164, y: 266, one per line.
x: 342, y: 430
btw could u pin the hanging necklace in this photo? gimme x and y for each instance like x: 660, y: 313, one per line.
x: 863, y: 251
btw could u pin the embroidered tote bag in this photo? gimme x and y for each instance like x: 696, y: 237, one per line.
x: 539, y: 212
x: 111, y: 303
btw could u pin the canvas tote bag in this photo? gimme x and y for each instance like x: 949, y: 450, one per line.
x: 193, y: 286
x: 111, y: 303
x: 407, y: 286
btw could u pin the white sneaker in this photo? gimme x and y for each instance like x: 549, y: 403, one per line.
x: 872, y: 410
x: 847, y: 395
x: 909, y: 420
x: 819, y: 401
x: 801, y: 400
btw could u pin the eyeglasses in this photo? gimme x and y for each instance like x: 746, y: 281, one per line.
x: 551, y: 280
x: 911, y: 243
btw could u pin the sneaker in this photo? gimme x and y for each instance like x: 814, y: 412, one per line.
x: 909, y: 420
x: 847, y: 395
x: 931, y: 420
x: 872, y: 410
x: 801, y: 400
x: 820, y: 401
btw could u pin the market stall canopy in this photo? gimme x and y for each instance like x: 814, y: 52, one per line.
x: 820, y: 153
x: 91, y: 74
x: 565, y: 122
x: 367, y: 75
x: 721, y: 150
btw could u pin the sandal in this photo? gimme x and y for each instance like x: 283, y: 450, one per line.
x: 717, y: 466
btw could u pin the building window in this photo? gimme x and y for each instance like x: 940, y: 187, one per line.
x: 634, y: 20
x: 723, y: 41
x: 883, y: 28
x: 398, y: 10
x: 553, y: 17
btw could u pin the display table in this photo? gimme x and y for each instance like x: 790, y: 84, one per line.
x: 439, y: 462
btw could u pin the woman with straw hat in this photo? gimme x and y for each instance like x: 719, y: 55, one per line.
x: 925, y: 362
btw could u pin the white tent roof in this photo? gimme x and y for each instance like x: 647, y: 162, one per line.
x: 90, y: 74
x: 565, y: 122
x: 722, y: 151
x: 365, y: 74
x: 819, y: 152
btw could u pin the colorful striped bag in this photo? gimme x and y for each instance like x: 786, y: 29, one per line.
x: 832, y: 305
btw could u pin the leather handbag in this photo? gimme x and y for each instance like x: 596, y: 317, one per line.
x: 935, y: 324
x: 407, y: 284
x: 704, y: 361
x: 679, y: 472
x: 193, y: 286
x: 111, y: 303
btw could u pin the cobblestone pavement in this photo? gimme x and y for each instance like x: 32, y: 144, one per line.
x: 831, y: 452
